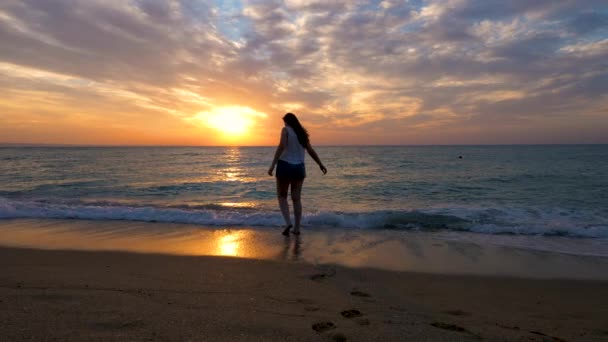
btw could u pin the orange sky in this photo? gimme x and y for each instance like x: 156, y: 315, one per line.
x: 186, y: 72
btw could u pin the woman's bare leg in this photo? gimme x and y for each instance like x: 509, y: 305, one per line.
x: 282, y: 190
x: 296, y: 191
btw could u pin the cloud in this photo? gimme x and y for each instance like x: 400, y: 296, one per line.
x: 381, y: 65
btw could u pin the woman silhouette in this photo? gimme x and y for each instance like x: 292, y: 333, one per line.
x: 289, y: 160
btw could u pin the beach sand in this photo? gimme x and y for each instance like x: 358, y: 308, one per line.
x: 55, y: 295
x: 73, y: 280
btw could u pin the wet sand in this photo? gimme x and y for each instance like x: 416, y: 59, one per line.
x: 384, y: 249
x: 52, y: 295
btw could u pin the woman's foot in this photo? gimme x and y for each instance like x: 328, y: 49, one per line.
x: 296, y: 231
x: 286, y: 231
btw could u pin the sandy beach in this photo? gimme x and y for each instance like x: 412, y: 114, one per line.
x: 61, y: 295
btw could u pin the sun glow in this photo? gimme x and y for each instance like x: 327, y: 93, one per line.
x: 234, y: 121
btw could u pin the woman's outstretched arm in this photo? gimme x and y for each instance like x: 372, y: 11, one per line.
x: 279, y: 150
x: 316, y: 158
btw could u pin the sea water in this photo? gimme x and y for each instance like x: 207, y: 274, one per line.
x: 503, y: 194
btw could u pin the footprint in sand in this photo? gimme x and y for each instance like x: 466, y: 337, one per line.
x: 352, y: 313
x: 453, y: 327
x: 553, y: 338
x: 305, y: 301
x: 118, y: 325
x: 323, y: 275
x: 318, y: 276
x: 357, y: 293
x: 448, y: 326
x: 457, y: 313
x: 312, y: 308
x: 507, y: 326
x: 323, y: 326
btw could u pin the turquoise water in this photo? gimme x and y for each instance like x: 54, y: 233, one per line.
x: 495, y: 190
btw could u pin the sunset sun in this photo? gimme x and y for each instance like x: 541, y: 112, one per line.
x: 233, y: 121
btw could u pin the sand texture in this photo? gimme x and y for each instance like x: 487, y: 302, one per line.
x: 113, y: 296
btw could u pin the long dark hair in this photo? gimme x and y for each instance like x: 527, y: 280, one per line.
x: 293, y: 122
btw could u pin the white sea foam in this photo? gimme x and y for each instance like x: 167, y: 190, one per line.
x: 510, y: 221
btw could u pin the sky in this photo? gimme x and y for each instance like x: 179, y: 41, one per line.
x: 193, y: 72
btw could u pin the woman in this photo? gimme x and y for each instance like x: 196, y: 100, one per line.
x: 289, y: 159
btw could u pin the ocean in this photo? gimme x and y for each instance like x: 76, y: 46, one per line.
x: 507, y: 194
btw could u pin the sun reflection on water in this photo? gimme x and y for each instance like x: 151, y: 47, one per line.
x: 239, y: 205
x: 233, y: 172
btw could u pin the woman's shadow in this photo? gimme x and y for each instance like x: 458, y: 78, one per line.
x: 292, y: 248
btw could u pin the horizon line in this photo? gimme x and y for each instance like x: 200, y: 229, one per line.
x: 8, y: 144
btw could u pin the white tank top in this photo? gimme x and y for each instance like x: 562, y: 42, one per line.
x: 294, y: 151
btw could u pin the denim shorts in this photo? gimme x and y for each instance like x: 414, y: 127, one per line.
x: 287, y: 170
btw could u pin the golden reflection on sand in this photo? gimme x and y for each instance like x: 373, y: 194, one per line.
x: 229, y: 244
x: 135, y: 237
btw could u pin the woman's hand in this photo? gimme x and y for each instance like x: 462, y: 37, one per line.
x: 323, y: 169
x: 270, y: 170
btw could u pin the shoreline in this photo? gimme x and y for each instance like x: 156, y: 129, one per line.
x: 92, y: 295
x: 389, y: 250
